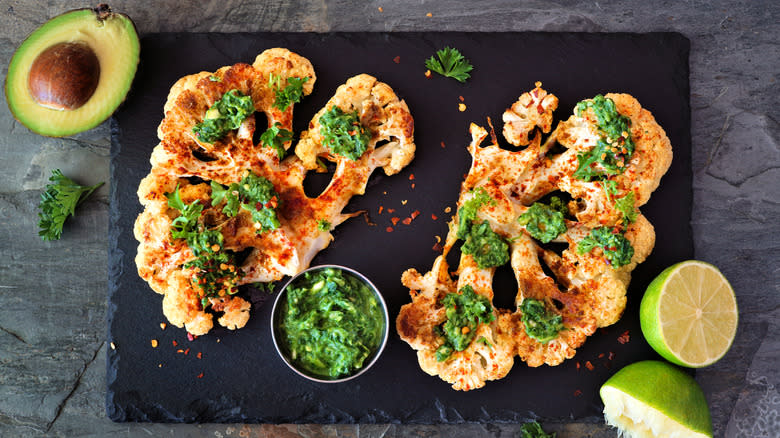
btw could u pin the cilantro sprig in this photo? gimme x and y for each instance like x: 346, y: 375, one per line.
x: 290, y: 94
x: 450, y: 63
x: 58, y: 201
x: 275, y: 137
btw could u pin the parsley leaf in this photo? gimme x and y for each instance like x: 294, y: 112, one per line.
x: 451, y: 63
x: 617, y: 249
x: 534, y: 430
x: 58, y: 201
x: 225, y: 115
x: 343, y: 134
x: 540, y: 323
x: 253, y: 193
x: 275, y: 137
x: 288, y: 95
x: 626, y: 206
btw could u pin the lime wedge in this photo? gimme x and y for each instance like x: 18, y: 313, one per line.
x: 689, y: 314
x: 655, y: 399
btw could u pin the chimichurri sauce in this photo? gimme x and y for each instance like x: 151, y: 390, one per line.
x: 330, y: 323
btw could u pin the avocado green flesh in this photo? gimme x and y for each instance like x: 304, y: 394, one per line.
x: 115, y: 42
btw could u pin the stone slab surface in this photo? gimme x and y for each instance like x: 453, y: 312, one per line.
x: 53, y: 294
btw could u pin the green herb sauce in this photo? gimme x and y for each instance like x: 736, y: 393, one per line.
x: 225, y: 115
x: 253, y: 193
x: 540, y: 323
x: 486, y: 247
x: 464, y: 312
x: 613, y: 149
x: 292, y: 93
x: 330, y: 323
x: 343, y: 134
x: 617, y: 249
x: 545, y: 222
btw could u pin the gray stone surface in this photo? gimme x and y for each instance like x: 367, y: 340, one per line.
x: 53, y: 294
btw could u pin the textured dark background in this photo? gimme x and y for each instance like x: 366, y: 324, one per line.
x: 243, y: 378
x: 53, y: 295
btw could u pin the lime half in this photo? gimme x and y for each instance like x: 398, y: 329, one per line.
x: 689, y: 314
x: 655, y: 399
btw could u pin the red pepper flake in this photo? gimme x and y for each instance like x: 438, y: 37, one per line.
x: 601, y: 355
x: 200, y: 376
x: 434, y: 217
x: 174, y: 343
x: 589, y: 366
x: 395, y: 220
x: 611, y: 356
x: 187, y: 351
x: 461, y: 98
x: 391, y: 210
x: 200, y: 355
x: 180, y: 350
x: 415, y: 214
x: 407, y: 221
x: 577, y: 393
x: 191, y: 337
x: 397, y: 60
x: 380, y: 9
x: 412, y: 185
x: 624, y: 338
x: 437, y: 247
x: 429, y: 15
x: 411, y: 177
x: 154, y: 343
x: 381, y: 208
x: 389, y: 229
x: 578, y: 365
x: 443, y: 145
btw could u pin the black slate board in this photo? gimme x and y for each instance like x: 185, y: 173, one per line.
x: 243, y: 380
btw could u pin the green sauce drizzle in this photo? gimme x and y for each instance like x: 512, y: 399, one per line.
x: 617, y: 249
x: 464, y: 312
x: 253, y: 193
x: 343, y: 134
x: 225, y: 115
x: 545, y: 222
x: 613, y: 150
x: 540, y: 323
x: 330, y: 323
x: 486, y: 247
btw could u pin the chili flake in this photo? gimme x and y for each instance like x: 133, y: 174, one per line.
x: 200, y: 376
x: 174, y: 343
x: 624, y: 338
x: 443, y: 145
x: 191, y: 337
x: 380, y: 9
x: 397, y: 60
x: 434, y: 217
x: 391, y: 210
x: 163, y: 325
x: 407, y: 221
x: 154, y: 343
x: 389, y: 229
x: 429, y: 15
x: 461, y: 107
x: 395, y: 220
x: 577, y: 393
x: 200, y: 355
x: 380, y: 209
x: 428, y: 73
x: 589, y: 366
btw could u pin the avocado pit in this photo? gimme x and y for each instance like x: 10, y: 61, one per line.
x: 64, y: 76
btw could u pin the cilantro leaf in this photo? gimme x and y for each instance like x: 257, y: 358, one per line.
x: 275, y: 137
x: 224, y: 115
x: 288, y: 95
x: 343, y: 134
x: 626, y: 206
x: 450, y: 63
x: 58, y: 201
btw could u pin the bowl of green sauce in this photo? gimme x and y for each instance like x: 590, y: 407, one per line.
x: 329, y: 323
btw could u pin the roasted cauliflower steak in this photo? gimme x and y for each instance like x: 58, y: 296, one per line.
x: 184, y: 164
x: 581, y: 290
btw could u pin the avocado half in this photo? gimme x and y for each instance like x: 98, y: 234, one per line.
x: 72, y: 73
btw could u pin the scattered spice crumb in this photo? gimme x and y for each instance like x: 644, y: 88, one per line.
x: 461, y: 107
x: 397, y: 60
x: 384, y: 193
x: 461, y: 98
x: 219, y: 340
x: 113, y: 347
x: 434, y: 217
x: 578, y: 365
x: 611, y: 356
x: 589, y: 366
x: 180, y: 351
x: 601, y: 355
x: 381, y: 208
x: 438, y: 238
x: 404, y: 202
x: 200, y: 355
x: 407, y: 221
x: 191, y: 337
x: 200, y: 376
x: 624, y: 338
x: 389, y: 229
x: 187, y: 351
x: 411, y: 177
x: 448, y: 209
x: 163, y: 325
x: 415, y: 214
x: 159, y: 365
x: 174, y: 343
x: 391, y: 210
x: 437, y: 247
x: 395, y: 220
x: 154, y: 343
x: 577, y: 393
x: 428, y: 74
x: 412, y: 185
x: 380, y: 9
x: 429, y: 15
x: 443, y: 145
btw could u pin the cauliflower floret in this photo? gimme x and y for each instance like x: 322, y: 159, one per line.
x: 532, y: 109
